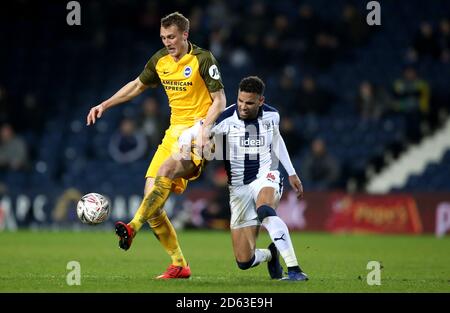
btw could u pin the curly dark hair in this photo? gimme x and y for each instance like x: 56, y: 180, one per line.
x: 252, y: 84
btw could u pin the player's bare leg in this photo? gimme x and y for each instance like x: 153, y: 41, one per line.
x: 244, y: 247
x: 244, y: 242
x: 278, y: 231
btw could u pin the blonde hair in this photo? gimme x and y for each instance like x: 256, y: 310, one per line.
x: 177, y: 19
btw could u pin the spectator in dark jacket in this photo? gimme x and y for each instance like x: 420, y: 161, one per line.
x: 313, y: 99
x: 320, y: 169
x: 13, y: 149
x: 128, y: 144
x: 425, y: 42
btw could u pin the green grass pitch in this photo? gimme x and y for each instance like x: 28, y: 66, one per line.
x: 36, y: 262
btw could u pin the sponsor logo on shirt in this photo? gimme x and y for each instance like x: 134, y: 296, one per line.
x: 251, y: 141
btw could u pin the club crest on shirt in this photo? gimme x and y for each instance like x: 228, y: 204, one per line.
x: 267, y: 125
x: 270, y: 176
x: 187, y: 71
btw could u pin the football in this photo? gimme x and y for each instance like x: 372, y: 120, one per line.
x: 93, y: 208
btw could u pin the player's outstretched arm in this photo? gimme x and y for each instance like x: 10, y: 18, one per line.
x: 126, y: 93
x: 185, y: 140
x: 218, y: 105
x: 296, y: 184
x: 294, y: 180
x: 283, y: 155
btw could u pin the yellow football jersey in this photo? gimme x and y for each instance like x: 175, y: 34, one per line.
x: 187, y: 82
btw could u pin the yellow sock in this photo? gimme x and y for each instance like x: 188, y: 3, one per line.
x: 164, y: 231
x: 154, y: 200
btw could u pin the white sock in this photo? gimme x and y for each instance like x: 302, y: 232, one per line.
x: 261, y: 255
x: 279, y: 233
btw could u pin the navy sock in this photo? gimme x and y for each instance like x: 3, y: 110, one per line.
x: 296, y: 269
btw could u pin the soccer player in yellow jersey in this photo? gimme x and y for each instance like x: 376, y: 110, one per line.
x: 191, y: 79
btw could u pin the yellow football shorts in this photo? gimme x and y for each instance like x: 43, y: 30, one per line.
x: 168, y: 147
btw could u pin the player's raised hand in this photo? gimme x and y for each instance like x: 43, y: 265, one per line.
x: 202, y: 141
x: 94, y: 113
x: 296, y: 184
x: 184, y: 145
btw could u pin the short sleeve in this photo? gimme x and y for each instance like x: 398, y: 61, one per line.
x: 209, y: 70
x: 149, y: 76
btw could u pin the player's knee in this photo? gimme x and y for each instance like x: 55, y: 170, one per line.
x: 166, y: 170
x: 245, y: 265
x: 264, y: 211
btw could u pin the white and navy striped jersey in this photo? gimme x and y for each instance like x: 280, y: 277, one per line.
x: 246, y: 146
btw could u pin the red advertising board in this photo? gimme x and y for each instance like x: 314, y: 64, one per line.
x: 366, y: 213
x: 411, y: 213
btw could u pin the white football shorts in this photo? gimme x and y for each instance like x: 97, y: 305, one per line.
x: 243, y: 199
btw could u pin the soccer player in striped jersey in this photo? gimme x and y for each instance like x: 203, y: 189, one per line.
x: 191, y: 79
x: 248, y: 140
